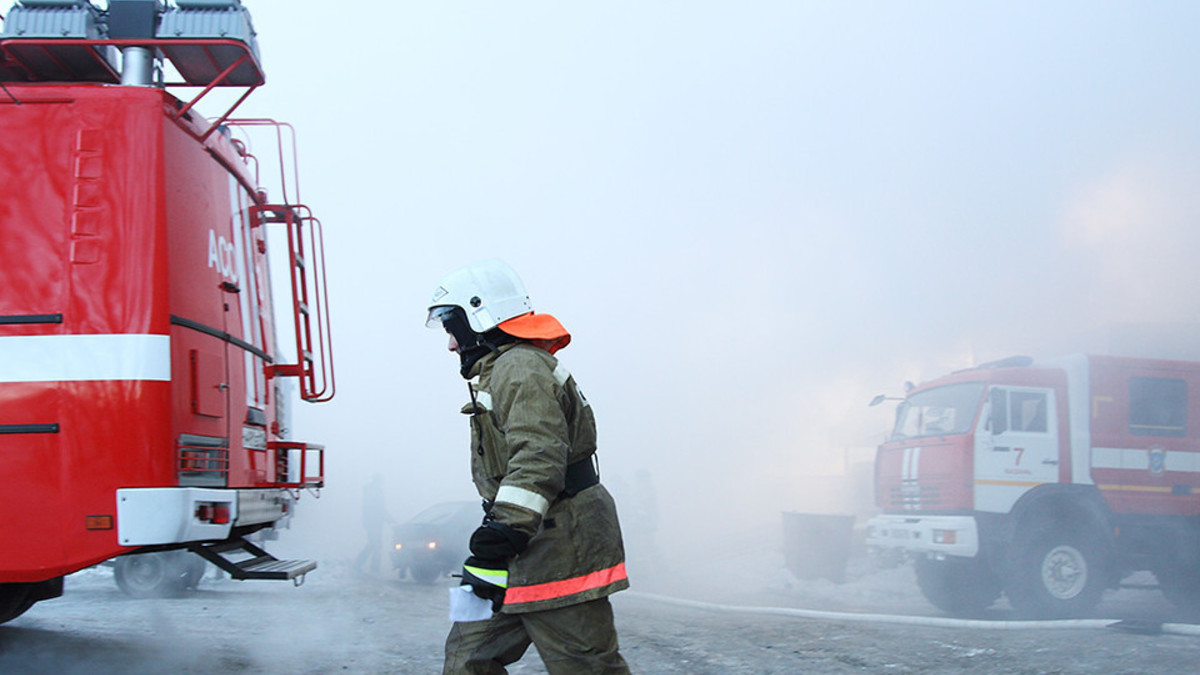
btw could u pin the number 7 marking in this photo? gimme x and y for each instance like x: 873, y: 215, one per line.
x: 1019, y: 451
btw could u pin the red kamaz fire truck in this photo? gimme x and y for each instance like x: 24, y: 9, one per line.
x: 142, y: 397
x: 1048, y: 482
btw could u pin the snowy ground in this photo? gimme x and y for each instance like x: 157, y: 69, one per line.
x: 340, y: 621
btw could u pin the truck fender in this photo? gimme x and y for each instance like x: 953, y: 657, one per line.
x: 1069, y: 505
x: 1075, y: 507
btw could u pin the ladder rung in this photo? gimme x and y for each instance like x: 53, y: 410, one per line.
x: 261, y: 565
x: 254, y: 563
x: 276, y: 566
x: 272, y: 216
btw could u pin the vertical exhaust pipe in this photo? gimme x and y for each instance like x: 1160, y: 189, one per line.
x: 137, y: 66
x: 133, y: 20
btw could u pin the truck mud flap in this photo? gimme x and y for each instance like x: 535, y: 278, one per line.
x: 243, y: 560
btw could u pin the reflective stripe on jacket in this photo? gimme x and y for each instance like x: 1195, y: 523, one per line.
x: 558, y: 589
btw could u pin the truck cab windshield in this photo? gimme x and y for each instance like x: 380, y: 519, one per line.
x: 938, y: 411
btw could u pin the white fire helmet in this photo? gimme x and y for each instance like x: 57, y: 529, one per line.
x: 488, y: 291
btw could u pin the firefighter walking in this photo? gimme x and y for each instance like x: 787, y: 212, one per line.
x: 549, y: 551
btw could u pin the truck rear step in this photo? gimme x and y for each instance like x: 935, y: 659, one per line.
x: 243, y: 560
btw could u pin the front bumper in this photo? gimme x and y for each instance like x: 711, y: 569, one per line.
x: 939, y: 535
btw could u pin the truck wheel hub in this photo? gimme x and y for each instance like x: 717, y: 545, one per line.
x: 1064, y: 572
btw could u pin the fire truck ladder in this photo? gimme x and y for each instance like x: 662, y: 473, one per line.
x: 243, y: 560
x: 306, y: 264
x: 310, y: 305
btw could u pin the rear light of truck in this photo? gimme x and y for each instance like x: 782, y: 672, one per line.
x: 216, y: 513
x: 945, y: 536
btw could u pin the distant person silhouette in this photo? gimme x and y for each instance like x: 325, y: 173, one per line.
x: 374, y: 517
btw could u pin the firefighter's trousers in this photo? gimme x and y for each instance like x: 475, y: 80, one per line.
x: 571, y: 641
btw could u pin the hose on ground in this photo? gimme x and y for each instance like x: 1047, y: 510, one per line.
x: 932, y: 621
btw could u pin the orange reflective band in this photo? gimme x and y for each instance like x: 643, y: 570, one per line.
x: 559, y: 589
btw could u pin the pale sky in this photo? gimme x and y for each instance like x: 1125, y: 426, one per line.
x: 753, y: 216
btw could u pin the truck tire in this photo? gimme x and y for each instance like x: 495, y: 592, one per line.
x: 1056, y: 574
x: 15, y: 599
x: 193, y: 569
x: 959, y: 586
x: 425, y: 573
x: 1181, y: 587
x: 156, y: 575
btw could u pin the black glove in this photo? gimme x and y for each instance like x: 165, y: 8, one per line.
x: 493, y: 544
x: 487, y: 578
x: 496, y: 541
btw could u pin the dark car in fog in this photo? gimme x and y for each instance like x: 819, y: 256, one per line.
x: 433, y: 543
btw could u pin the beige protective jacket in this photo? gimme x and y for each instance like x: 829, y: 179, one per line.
x: 529, y: 421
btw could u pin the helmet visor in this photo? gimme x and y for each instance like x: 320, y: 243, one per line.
x: 438, y: 315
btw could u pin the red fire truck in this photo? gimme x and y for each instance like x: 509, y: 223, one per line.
x: 143, y: 395
x: 1047, y: 482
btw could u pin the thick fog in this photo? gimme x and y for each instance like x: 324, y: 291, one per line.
x: 753, y: 217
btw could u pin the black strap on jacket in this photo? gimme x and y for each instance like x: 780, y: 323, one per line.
x: 581, y: 475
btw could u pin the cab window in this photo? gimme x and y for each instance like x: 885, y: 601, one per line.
x: 1157, y: 407
x: 1019, y: 411
x: 1028, y: 411
x: 943, y: 410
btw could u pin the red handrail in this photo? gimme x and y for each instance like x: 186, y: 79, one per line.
x: 286, y: 453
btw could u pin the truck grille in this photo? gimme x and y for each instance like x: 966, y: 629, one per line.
x: 910, y: 496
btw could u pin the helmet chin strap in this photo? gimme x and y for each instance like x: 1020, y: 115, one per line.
x: 485, y: 344
x: 473, y: 346
x: 469, y: 356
